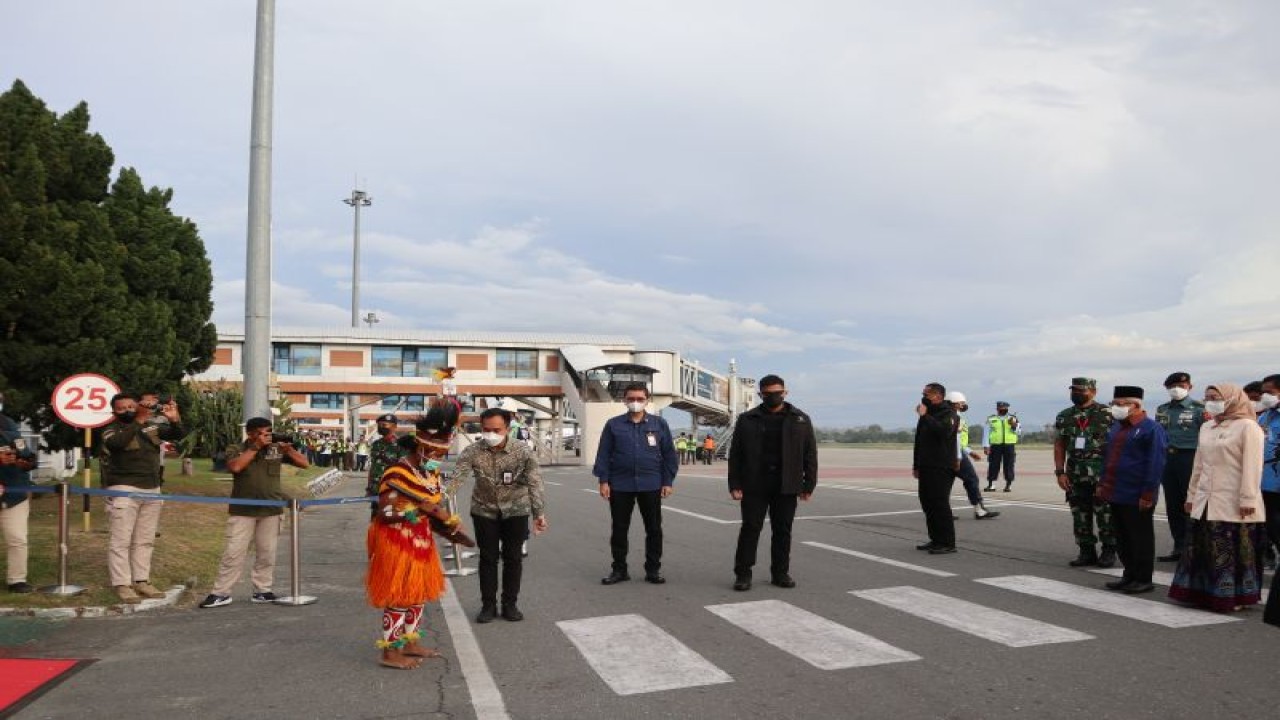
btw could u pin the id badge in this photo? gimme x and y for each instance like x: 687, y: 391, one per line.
x: 507, y: 478
x: 653, y: 440
x: 1080, y: 442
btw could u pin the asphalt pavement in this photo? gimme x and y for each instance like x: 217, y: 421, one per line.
x: 1001, y: 629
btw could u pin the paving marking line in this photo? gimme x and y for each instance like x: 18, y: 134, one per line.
x: 877, y: 558
x: 984, y: 622
x: 486, y: 700
x: 632, y: 655
x: 690, y: 513
x: 1158, y: 577
x: 822, y: 643
x: 1107, y: 601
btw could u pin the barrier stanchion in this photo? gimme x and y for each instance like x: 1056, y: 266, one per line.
x: 295, y: 562
x: 62, y: 588
x: 457, y: 553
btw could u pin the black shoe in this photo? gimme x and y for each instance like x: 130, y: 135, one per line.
x: 783, y: 581
x: 487, y: 614
x: 1107, y: 558
x: 989, y: 488
x: 942, y: 549
x: 955, y: 517
x: 988, y: 515
x: 1139, y: 588
x: 213, y: 601
x: 927, y: 546
x: 614, y: 578
x: 512, y: 613
x: 1008, y: 489
x: 654, y: 578
x: 742, y: 583
x: 1085, y: 559
x: 1174, y: 556
x: 22, y: 587
x: 1120, y: 584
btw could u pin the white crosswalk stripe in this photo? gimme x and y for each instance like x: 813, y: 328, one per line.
x: 987, y: 623
x: 632, y: 655
x: 820, y: 642
x: 1149, y: 611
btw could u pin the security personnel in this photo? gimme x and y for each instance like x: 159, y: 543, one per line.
x: 1181, y: 419
x: 682, y: 449
x: 17, y: 459
x: 1080, y: 434
x: 1000, y: 445
x: 383, y: 453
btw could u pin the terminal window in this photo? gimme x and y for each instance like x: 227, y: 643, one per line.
x: 398, y: 361
x: 287, y: 359
x: 412, y: 403
x: 326, y: 401
x: 517, y: 364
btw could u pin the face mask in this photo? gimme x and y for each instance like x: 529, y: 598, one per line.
x: 1269, y: 401
x: 127, y: 417
x: 1177, y: 393
x: 384, y: 430
x: 772, y: 399
x: 1258, y: 406
x: 1120, y: 412
x: 492, y: 439
x: 1215, y: 407
x: 636, y: 406
x: 1079, y: 398
x: 431, y: 466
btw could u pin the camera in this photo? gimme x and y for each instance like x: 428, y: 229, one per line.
x: 282, y: 438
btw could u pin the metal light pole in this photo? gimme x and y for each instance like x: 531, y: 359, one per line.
x: 256, y: 363
x: 358, y: 199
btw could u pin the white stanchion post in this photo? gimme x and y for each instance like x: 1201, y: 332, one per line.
x: 457, y: 553
x: 62, y: 588
x: 295, y: 562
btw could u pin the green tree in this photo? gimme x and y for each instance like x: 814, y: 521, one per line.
x: 95, y: 276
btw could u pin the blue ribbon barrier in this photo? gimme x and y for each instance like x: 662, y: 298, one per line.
x: 208, y: 500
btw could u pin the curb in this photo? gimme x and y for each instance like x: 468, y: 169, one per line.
x: 68, y: 613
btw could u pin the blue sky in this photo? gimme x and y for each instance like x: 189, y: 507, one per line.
x: 859, y: 196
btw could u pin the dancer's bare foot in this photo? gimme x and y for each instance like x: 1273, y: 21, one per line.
x: 415, y: 649
x: 394, y: 658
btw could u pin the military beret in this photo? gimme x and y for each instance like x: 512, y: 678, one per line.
x: 388, y: 418
x: 1178, y: 377
x: 1127, y: 391
x: 1084, y: 382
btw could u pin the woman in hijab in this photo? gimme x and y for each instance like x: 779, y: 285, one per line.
x: 1221, y: 569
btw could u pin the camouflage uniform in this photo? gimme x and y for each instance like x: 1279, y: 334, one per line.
x: 383, y: 454
x: 1084, y: 469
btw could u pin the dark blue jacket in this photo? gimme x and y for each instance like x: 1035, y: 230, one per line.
x: 1133, y: 462
x: 636, y: 457
x: 11, y: 476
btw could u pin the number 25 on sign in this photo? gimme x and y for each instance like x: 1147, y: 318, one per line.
x: 84, y: 401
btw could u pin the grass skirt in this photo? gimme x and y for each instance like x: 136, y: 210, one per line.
x: 403, y: 567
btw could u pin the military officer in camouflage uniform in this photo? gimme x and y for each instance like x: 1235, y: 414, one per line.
x: 1181, y: 419
x: 383, y: 453
x: 1080, y: 432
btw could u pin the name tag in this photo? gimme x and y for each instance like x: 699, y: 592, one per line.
x: 507, y: 478
x: 1080, y: 442
x: 653, y: 439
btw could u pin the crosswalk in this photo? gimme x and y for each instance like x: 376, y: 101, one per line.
x: 633, y: 655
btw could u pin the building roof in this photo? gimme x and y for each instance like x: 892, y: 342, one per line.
x: 350, y: 336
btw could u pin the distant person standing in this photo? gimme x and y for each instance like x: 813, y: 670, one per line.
x: 708, y: 449
x: 1181, y: 419
x: 1080, y: 432
x: 935, y: 460
x: 1133, y: 461
x: 682, y: 448
x: 636, y: 464
x: 774, y: 462
x: 967, y: 473
x: 1270, y: 422
x: 362, y: 454
x: 17, y: 459
x: 1000, y: 445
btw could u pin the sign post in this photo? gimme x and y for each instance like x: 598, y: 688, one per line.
x: 84, y: 401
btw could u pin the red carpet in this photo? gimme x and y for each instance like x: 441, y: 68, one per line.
x: 24, y: 679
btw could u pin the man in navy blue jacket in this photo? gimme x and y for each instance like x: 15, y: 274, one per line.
x: 636, y: 464
x: 1132, y: 465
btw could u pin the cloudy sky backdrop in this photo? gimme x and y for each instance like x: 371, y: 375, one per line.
x: 860, y: 196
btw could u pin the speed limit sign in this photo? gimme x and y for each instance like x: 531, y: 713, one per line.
x: 84, y: 400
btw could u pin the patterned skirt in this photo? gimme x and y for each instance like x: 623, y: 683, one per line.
x: 1221, y: 566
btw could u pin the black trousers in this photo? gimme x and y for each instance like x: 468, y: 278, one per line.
x: 1135, y: 541
x: 969, y: 478
x: 1271, y: 503
x: 781, y: 510
x: 934, y: 488
x: 1174, y: 482
x: 621, y: 505
x: 500, y: 538
x: 1001, y: 456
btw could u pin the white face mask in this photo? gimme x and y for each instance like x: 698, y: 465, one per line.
x: 1215, y: 407
x: 1258, y: 406
x: 1120, y: 412
x: 636, y: 407
x: 492, y: 439
x: 1269, y: 401
x: 1178, y: 393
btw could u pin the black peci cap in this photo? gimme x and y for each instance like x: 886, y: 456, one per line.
x: 1127, y: 391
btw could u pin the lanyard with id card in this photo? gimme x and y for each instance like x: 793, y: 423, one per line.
x: 1083, y: 424
x: 653, y: 438
x: 508, y: 477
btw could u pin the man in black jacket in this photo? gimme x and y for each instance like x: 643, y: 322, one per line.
x: 936, y: 460
x: 773, y: 458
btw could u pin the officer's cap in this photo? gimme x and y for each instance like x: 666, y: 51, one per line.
x: 388, y: 418
x: 1002, y: 403
x: 1084, y: 383
x: 1178, y: 377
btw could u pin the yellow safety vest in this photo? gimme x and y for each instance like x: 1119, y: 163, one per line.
x: 964, y: 432
x: 1001, y: 433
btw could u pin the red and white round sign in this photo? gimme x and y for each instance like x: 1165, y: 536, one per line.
x: 84, y: 400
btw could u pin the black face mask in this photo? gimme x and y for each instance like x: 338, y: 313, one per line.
x: 127, y: 417
x: 772, y: 399
x: 1079, y: 398
x: 385, y: 430
x: 924, y: 400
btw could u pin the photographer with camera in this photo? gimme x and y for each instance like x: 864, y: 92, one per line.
x: 255, y: 473
x: 131, y: 463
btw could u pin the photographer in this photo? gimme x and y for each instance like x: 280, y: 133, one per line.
x: 131, y: 463
x: 16, y: 461
x: 255, y: 472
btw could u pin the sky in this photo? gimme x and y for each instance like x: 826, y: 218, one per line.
x: 859, y: 196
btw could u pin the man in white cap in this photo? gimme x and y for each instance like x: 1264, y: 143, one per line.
x: 968, y: 474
